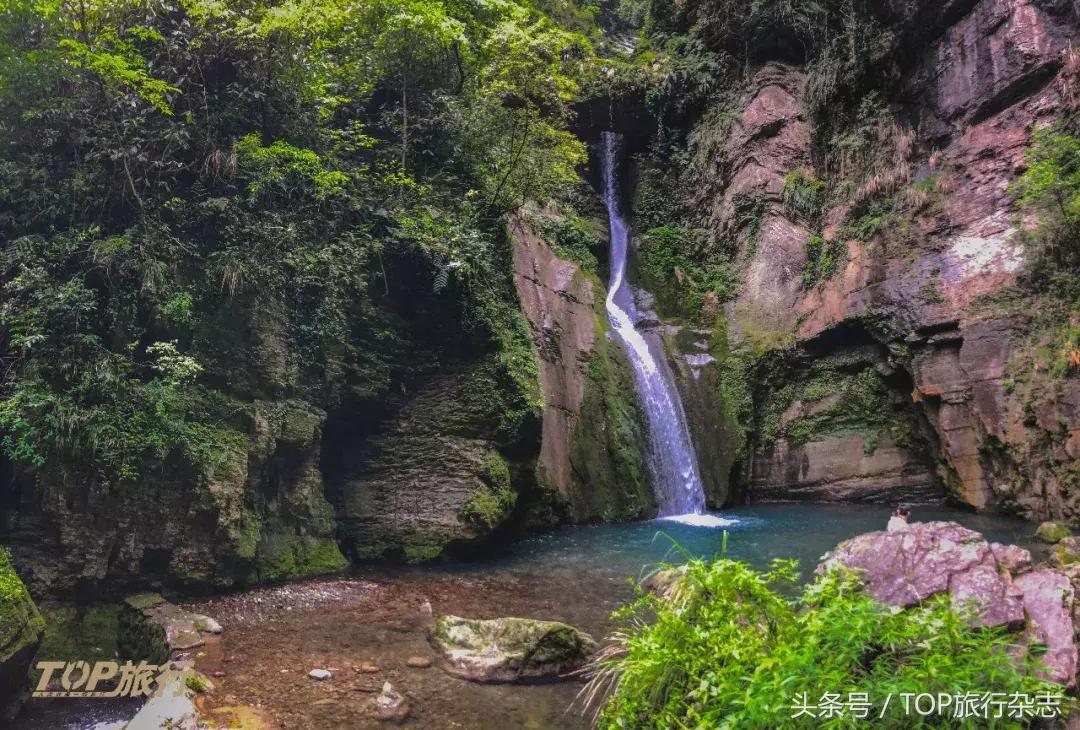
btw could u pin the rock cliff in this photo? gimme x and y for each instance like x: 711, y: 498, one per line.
x: 891, y: 354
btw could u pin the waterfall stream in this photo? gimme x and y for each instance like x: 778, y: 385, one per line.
x: 671, y: 453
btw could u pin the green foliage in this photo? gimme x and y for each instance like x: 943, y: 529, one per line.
x: 212, y: 201
x: 823, y: 259
x: 1050, y: 186
x: 664, y: 257
x: 196, y: 683
x: 730, y: 648
x: 804, y: 195
x: 20, y: 622
x: 1052, y: 178
x: 574, y: 239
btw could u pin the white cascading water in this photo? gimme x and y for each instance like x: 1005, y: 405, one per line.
x: 671, y: 458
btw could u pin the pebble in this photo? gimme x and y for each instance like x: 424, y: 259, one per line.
x: 368, y: 668
x: 390, y: 705
x: 418, y: 662
x: 319, y: 674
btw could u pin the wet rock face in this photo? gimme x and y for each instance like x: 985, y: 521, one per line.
x: 993, y: 56
x: 434, y: 475
x: 994, y: 582
x: 592, y: 446
x: 21, y: 630
x: 979, y: 75
x: 770, y: 139
x: 258, y: 514
x: 839, y: 469
x: 510, y: 649
x: 559, y: 301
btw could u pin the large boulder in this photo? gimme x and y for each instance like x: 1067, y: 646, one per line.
x: 1052, y: 532
x: 906, y: 567
x: 153, y: 629
x: 510, y: 649
x: 1048, y: 600
x: 21, y: 629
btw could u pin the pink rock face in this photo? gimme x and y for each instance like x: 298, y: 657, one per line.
x: 988, y: 58
x: 1012, y: 558
x: 1048, y: 601
x: 769, y: 139
x: 906, y: 567
x: 839, y: 469
x: 558, y: 301
x: 990, y: 72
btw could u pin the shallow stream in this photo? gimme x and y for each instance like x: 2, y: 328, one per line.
x: 274, y: 636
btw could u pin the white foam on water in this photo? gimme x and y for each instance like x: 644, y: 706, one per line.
x: 700, y: 520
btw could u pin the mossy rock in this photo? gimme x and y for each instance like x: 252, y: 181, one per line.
x: 21, y: 629
x: 137, y: 636
x: 1066, y: 552
x: 151, y: 628
x: 87, y: 633
x: 609, y: 442
x: 510, y: 649
x: 1052, y: 532
x: 284, y: 556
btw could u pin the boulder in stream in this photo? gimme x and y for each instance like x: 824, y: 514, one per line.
x: 906, y: 567
x: 510, y: 649
x: 151, y: 628
x: 1052, y: 532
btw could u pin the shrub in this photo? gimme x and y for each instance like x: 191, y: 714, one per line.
x: 804, y: 195
x: 665, y: 257
x: 573, y: 238
x: 1050, y: 186
x: 728, y: 649
x: 823, y: 259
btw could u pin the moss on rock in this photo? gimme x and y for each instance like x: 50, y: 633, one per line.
x: 510, y: 649
x: 1052, y: 532
x: 608, y: 444
x: 138, y: 637
x: 491, y: 503
x: 21, y: 630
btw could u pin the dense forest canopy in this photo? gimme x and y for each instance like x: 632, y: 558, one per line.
x: 175, y: 170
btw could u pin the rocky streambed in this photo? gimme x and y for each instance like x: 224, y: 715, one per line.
x: 369, y: 631
x: 373, y: 627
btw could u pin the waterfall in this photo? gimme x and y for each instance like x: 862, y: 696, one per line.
x: 671, y: 454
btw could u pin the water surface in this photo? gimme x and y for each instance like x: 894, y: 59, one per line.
x: 273, y: 636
